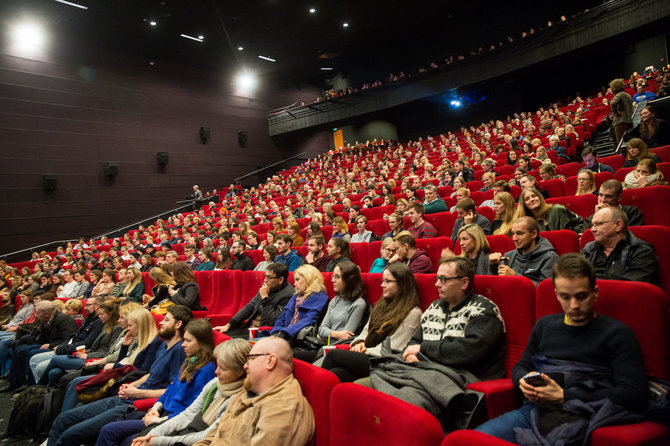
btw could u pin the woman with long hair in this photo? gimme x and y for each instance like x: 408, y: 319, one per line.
x: 195, y: 373
x: 551, y: 217
x: 269, y: 255
x: 278, y: 224
x: 512, y: 157
x: 646, y: 174
x: 586, y: 182
x: 504, y: 207
x: 223, y: 258
x: 147, y: 263
x: 160, y: 294
x: 294, y: 232
x: 303, y: 309
x: 395, y: 317
x: 655, y: 132
x: 638, y: 150
x: 231, y: 357
x: 186, y: 292
x: 474, y: 247
x: 135, y: 287
x: 108, y: 313
x: 338, y: 250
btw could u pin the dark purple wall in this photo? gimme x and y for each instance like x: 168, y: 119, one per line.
x: 70, y: 113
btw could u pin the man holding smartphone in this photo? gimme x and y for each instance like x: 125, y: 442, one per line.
x: 578, y: 357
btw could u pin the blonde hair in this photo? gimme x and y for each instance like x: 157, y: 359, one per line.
x: 137, y: 278
x: 313, y: 278
x: 508, y: 200
x: 146, y: 330
x: 161, y: 277
x: 592, y: 178
x: 74, y: 305
x: 476, y: 232
x: 233, y: 354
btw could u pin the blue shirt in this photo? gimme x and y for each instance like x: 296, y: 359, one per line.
x: 180, y: 394
x: 207, y: 266
x: 291, y: 260
x: 379, y: 265
x: 165, y: 367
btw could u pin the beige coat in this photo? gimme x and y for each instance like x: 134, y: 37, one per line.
x: 281, y: 416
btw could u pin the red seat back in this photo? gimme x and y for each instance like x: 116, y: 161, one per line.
x: 648, y: 316
x: 434, y: 247
x: 361, y: 416
x: 373, y: 287
x: 553, y: 187
x: 563, y: 241
x: 442, y: 221
x: 652, y: 201
x: 359, y: 255
x: 427, y: 290
x: 582, y: 205
x: 317, y: 385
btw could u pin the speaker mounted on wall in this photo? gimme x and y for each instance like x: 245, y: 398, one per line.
x: 205, y: 134
x: 242, y: 138
x: 162, y: 158
x: 111, y: 169
x: 49, y: 182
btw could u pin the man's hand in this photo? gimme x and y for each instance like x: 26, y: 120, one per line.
x: 222, y: 328
x: 505, y: 270
x: 44, y: 347
x: 410, y: 353
x: 128, y: 391
x: 469, y: 218
x: 494, y: 258
x: 394, y: 259
x: 550, y: 393
x: 264, y: 291
x: 446, y: 252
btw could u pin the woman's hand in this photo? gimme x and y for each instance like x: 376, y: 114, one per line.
x: 128, y: 339
x: 359, y: 348
x: 343, y: 334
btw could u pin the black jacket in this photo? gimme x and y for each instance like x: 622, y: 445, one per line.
x: 269, y: 309
x: 243, y: 263
x: 89, y: 330
x: 187, y: 295
x: 60, y: 328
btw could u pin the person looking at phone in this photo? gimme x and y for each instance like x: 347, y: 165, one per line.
x: 467, y: 215
x: 576, y: 344
x: 533, y: 257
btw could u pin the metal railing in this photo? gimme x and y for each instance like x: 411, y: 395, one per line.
x: 238, y: 179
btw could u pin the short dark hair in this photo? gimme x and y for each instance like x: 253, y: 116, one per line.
x: 183, y: 314
x: 613, y: 185
x: 318, y: 238
x: 502, y: 183
x: 464, y: 267
x: 279, y: 269
x: 285, y: 238
x: 573, y: 266
x: 467, y: 204
x: 589, y: 150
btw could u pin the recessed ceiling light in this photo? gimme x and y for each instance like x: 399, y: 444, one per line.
x: 312, y: 10
x: 267, y: 58
x: 197, y: 39
x: 240, y: 48
x: 76, y: 5
x: 153, y: 23
x: 345, y: 25
x: 326, y: 68
x: 201, y: 37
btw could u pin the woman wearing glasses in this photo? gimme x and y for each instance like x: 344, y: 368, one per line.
x: 392, y: 322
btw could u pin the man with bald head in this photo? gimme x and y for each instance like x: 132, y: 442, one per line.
x: 616, y: 253
x: 273, y: 409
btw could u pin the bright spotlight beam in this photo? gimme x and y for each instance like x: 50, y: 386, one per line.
x: 246, y: 81
x: 76, y: 5
x: 28, y: 37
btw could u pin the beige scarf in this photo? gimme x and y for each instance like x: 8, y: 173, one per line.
x: 225, y: 391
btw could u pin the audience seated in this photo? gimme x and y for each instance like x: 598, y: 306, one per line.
x: 590, y: 157
x: 363, y: 235
x: 286, y: 255
x: 134, y: 288
x: 503, y: 205
x: 317, y: 257
x: 206, y: 263
x: 420, y: 228
x: 653, y: 131
x: 586, y: 182
x: 467, y: 215
x: 616, y: 253
x: 242, y: 262
x: 265, y: 307
x: 573, y: 346
x: 386, y: 250
x: 474, y: 247
x: 393, y: 321
x: 432, y: 202
x: 395, y: 221
x: 405, y: 251
x: 550, y: 217
x: 609, y: 195
x: 638, y: 150
x: 338, y: 251
x: 269, y: 255
x: 646, y: 174
x: 533, y: 257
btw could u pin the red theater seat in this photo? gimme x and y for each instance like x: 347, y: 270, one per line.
x: 563, y: 241
x: 553, y: 187
x: 317, y: 385
x: 360, y: 416
x: 442, y: 221
x: 434, y: 247
x: 472, y: 438
x: 582, y: 205
x: 359, y: 255
x: 662, y: 152
x: 373, y: 287
x: 652, y: 201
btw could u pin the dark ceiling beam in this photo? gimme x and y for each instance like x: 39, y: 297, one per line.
x: 601, y: 23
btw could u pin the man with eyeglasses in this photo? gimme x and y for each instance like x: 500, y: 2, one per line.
x: 461, y: 340
x: 242, y: 261
x: 52, y: 329
x: 273, y: 410
x: 265, y: 307
x: 616, y: 253
x: 609, y: 195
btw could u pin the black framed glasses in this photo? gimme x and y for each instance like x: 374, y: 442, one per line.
x: 271, y: 277
x: 443, y: 280
x: 251, y: 356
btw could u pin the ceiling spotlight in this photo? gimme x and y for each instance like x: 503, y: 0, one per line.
x: 345, y: 25
x: 28, y: 37
x: 186, y: 36
x: 246, y: 81
x: 153, y: 23
x: 240, y: 48
x: 201, y: 37
x: 326, y: 68
x: 76, y: 5
x: 312, y: 10
x: 267, y: 58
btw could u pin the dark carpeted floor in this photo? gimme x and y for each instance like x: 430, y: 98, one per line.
x: 6, y: 406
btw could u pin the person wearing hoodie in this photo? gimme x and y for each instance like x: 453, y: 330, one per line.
x: 287, y: 256
x: 405, y: 251
x: 533, y: 257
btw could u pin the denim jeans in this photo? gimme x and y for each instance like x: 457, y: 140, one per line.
x: 503, y: 426
x: 38, y: 364
x: 58, y: 366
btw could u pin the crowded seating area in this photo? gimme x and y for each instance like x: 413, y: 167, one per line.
x: 384, y: 293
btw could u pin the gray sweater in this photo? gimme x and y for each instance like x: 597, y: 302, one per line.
x: 342, y: 314
x: 22, y: 315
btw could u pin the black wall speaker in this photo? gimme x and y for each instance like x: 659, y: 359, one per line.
x: 242, y: 138
x: 49, y: 182
x: 162, y: 158
x: 111, y: 169
x: 204, y: 134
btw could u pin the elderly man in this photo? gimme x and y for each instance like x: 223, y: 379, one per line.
x: 592, y: 359
x: 52, y: 329
x: 273, y: 409
x: 616, y: 253
x: 265, y: 307
x: 432, y: 203
x: 610, y: 195
x: 533, y: 257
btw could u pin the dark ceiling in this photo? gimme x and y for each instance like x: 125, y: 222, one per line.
x: 383, y: 35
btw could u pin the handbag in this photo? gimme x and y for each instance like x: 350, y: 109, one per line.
x: 162, y: 308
